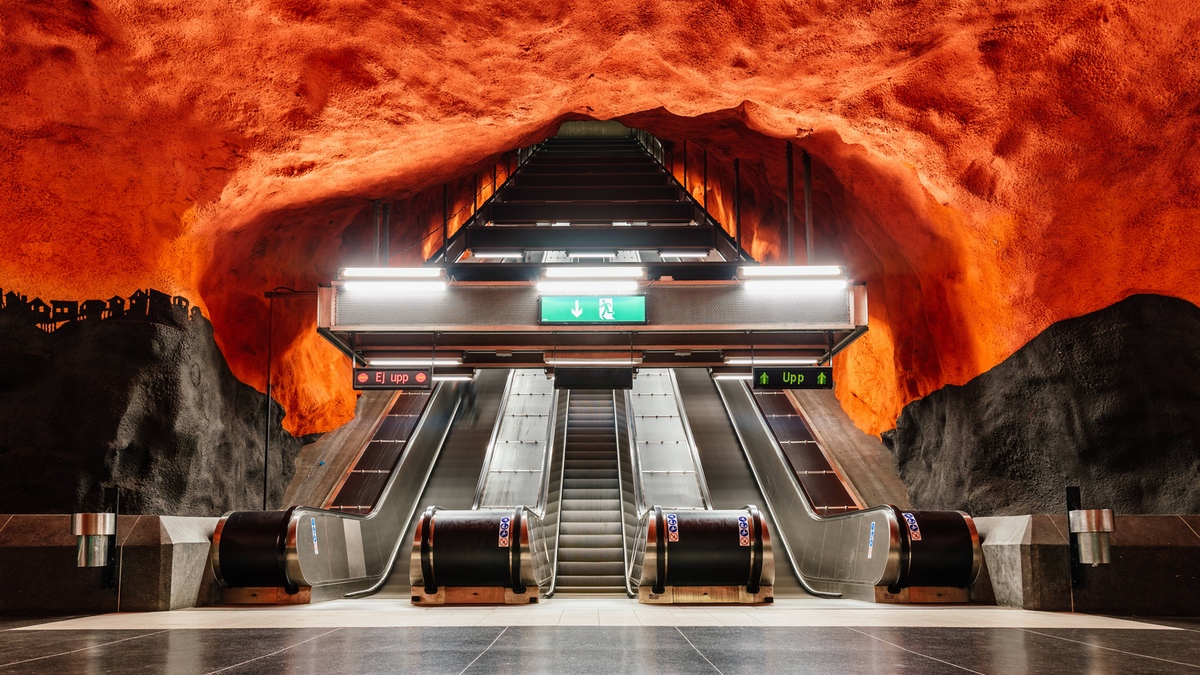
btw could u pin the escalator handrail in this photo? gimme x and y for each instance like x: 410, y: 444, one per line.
x: 390, y: 560
x: 620, y: 490
x: 787, y: 549
x: 561, y: 479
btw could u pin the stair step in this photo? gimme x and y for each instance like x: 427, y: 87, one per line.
x: 591, y: 555
x: 605, y: 493
x: 607, y: 507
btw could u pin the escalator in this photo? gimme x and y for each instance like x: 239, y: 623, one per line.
x: 590, y: 542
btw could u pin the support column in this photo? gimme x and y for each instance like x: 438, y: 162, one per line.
x: 791, y: 204
x: 808, y: 219
x: 737, y: 207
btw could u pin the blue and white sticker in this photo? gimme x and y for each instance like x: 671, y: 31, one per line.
x: 914, y: 532
x: 672, y: 527
x: 871, y: 542
x: 313, y: 521
x: 505, y: 522
x: 744, y: 530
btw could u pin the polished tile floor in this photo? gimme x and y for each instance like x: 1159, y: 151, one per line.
x: 594, y: 635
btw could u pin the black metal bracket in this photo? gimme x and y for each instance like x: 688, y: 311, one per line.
x: 1078, y: 576
x: 109, y: 574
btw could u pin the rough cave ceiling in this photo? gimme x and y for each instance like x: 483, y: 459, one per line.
x: 988, y: 168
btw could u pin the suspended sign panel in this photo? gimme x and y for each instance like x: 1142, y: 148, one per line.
x: 592, y: 309
x: 793, y: 378
x: 388, y: 378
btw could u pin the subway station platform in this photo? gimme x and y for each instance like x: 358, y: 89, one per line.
x: 599, y: 635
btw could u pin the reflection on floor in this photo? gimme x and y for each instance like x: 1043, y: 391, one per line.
x: 595, y: 635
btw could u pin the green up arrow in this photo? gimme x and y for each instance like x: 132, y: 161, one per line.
x: 763, y: 379
x: 821, y: 378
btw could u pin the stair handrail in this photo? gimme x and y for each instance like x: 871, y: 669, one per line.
x: 654, y: 147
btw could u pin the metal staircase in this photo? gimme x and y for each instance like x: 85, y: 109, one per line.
x: 590, y: 543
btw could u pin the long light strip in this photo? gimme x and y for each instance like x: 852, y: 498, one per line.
x: 592, y: 362
x: 391, y: 273
x: 749, y: 361
x: 595, y: 272
x: 791, y: 271
x: 412, y: 363
x: 393, y: 287
x: 592, y: 254
x: 813, y: 286
x: 733, y: 376
x: 587, y: 287
x: 503, y: 255
x: 684, y: 254
x: 451, y: 378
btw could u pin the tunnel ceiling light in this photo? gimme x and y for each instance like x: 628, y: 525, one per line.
x: 560, y: 224
x: 374, y: 287
x: 733, y: 376
x: 802, y: 286
x: 452, y: 378
x: 500, y: 255
x: 791, y: 271
x: 412, y: 363
x: 595, y: 272
x: 392, y: 273
x: 587, y: 287
x: 751, y: 361
x: 591, y: 254
x: 684, y: 254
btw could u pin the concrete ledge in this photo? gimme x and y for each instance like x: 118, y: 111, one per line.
x: 1155, y: 566
x: 164, y: 565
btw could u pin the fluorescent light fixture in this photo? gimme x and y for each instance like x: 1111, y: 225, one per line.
x: 748, y: 361
x: 560, y: 224
x: 604, y: 272
x: 791, y: 271
x: 733, y: 376
x: 393, y: 287
x: 391, y: 273
x: 503, y: 255
x: 587, y: 287
x: 683, y: 254
x: 809, y: 286
x: 621, y: 223
x: 451, y: 378
x: 412, y: 363
x: 591, y: 362
x: 591, y: 254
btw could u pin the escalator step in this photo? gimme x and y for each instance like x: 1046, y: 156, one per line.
x: 572, y: 483
x: 592, y: 540
x: 591, y: 569
x: 606, y: 493
x: 590, y: 555
x: 606, y: 507
x: 589, y: 528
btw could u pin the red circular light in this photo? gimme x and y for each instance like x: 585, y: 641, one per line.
x: 362, y: 377
x: 420, y: 377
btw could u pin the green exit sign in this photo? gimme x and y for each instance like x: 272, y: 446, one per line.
x: 593, y: 309
x: 793, y: 378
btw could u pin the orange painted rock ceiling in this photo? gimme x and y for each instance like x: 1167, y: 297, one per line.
x: 987, y: 168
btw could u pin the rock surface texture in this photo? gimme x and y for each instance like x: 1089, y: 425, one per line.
x: 150, y: 407
x: 1109, y: 401
x: 987, y: 168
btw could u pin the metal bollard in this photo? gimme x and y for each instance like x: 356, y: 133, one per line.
x: 1091, y: 528
x: 92, y: 531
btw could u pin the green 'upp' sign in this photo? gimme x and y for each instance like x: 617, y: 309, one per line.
x: 793, y: 378
x: 593, y: 309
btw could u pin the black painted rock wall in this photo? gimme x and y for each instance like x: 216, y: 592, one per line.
x: 150, y: 406
x: 1109, y: 401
